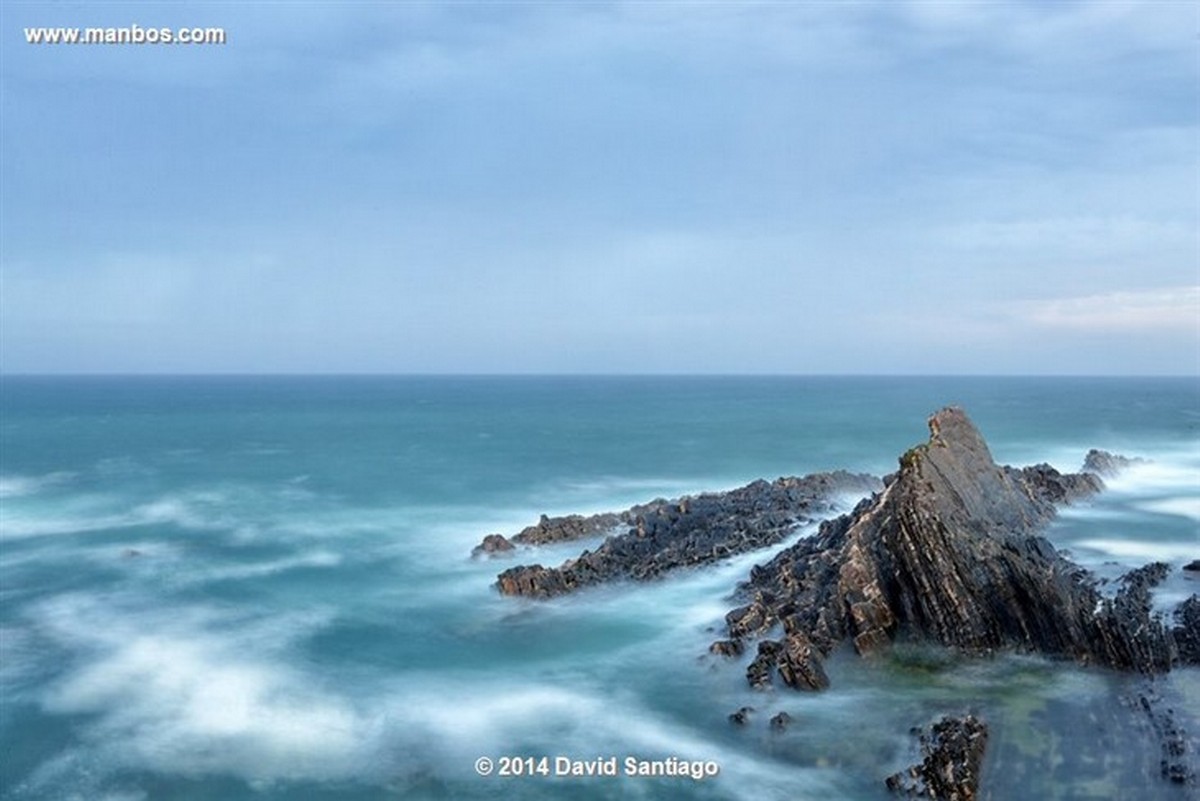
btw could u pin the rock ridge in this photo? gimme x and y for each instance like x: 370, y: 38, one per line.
x: 663, y: 536
x: 950, y: 552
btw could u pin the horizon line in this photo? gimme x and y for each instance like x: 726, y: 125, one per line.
x: 550, y: 374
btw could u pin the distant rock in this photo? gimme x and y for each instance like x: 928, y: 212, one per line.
x: 668, y: 535
x: 571, y: 527
x: 952, y: 754
x: 1105, y: 464
x: 781, y: 721
x: 1193, y: 566
x: 950, y: 552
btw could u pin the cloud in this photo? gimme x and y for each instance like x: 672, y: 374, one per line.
x: 1172, y: 309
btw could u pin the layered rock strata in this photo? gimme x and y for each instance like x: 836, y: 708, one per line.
x: 950, y: 552
x: 669, y: 535
x: 951, y: 756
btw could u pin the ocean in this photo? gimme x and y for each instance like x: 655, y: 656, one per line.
x: 262, y: 588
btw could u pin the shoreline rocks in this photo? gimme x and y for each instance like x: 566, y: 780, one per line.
x: 951, y: 756
x: 950, y: 552
x: 669, y: 535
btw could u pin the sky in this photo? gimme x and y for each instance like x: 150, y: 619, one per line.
x: 651, y: 187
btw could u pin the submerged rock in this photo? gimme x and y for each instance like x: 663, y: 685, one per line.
x: 1187, y: 631
x: 781, y: 721
x: 950, y: 552
x: 742, y: 716
x: 952, y: 754
x: 1175, y: 764
x: 668, y: 535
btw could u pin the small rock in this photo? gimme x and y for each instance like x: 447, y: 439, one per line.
x: 1193, y: 566
x: 781, y: 721
x: 951, y: 758
x: 728, y: 648
x: 742, y: 716
x: 492, y: 545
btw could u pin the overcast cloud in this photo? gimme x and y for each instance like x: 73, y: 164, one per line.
x: 605, y: 187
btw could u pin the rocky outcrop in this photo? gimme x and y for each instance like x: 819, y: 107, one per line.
x: 1103, y: 463
x: 950, y: 551
x: 492, y: 545
x: 952, y: 753
x: 1175, y: 762
x: 1187, y: 631
x: 692, y: 531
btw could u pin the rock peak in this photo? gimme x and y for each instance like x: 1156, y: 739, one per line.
x: 951, y: 552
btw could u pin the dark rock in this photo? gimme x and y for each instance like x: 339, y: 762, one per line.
x: 742, y: 716
x: 571, y: 527
x: 758, y: 672
x: 1175, y: 764
x: 727, y: 648
x: 1187, y: 631
x: 781, y: 721
x: 951, y: 756
x: 1103, y: 463
x: 1193, y: 565
x: 669, y: 535
x: 1059, y: 488
x: 492, y: 545
x: 950, y: 552
x: 800, y: 665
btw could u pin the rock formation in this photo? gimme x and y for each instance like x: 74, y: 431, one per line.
x: 668, y: 535
x: 952, y: 754
x: 950, y: 551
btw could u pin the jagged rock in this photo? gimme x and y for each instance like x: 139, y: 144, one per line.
x: 1175, y: 764
x: 742, y: 716
x: 1187, y: 631
x: 781, y: 721
x: 1193, y: 566
x: 950, y: 551
x: 800, y: 664
x: 951, y: 757
x: 570, y: 527
x: 1060, y: 488
x: 492, y: 545
x: 727, y: 648
x: 758, y: 672
x: 669, y: 535
x: 1103, y: 463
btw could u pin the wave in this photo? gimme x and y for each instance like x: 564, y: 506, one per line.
x: 1188, y: 507
x: 190, y: 691
x: 17, y: 486
x: 1140, y: 551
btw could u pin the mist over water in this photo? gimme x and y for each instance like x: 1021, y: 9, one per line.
x: 262, y: 588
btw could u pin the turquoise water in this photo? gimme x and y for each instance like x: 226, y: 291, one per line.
x: 260, y: 588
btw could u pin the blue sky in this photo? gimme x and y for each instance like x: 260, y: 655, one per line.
x: 605, y: 187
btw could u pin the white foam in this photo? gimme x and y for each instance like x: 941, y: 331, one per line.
x: 1156, y: 476
x: 14, y: 486
x: 1141, y: 551
x: 1188, y: 507
x: 181, y: 691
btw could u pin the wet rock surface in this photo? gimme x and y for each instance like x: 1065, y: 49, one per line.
x: 950, y: 552
x: 668, y: 535
x: 1187, y: 631
x: 952, y: 754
